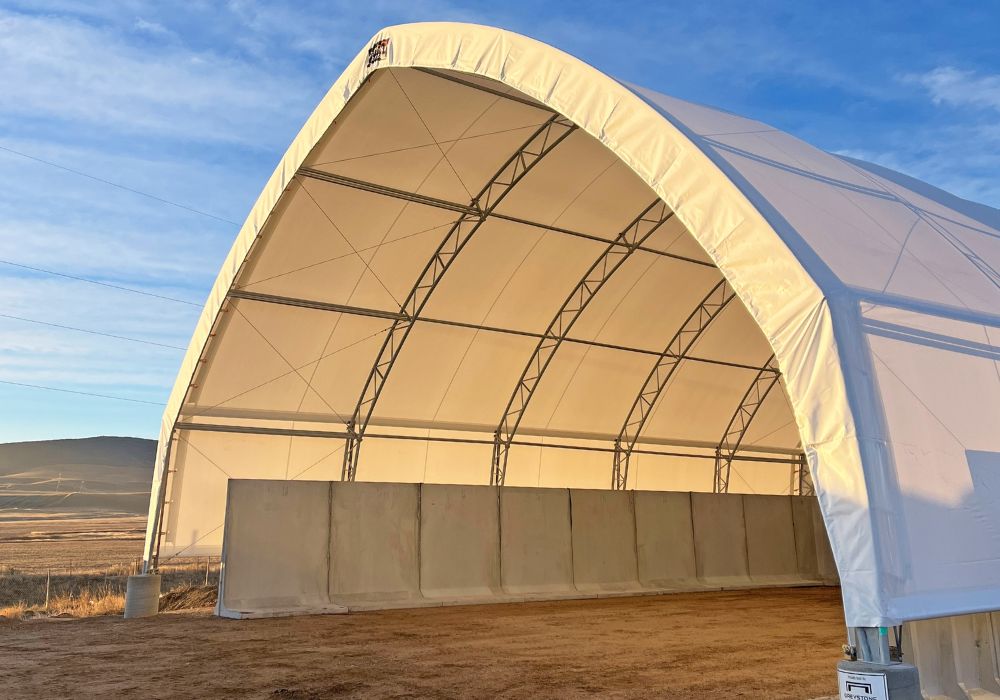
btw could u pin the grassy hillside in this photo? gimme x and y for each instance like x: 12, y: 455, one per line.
x: 99, y: 474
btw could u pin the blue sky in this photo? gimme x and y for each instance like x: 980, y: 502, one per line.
x: 195, y: 102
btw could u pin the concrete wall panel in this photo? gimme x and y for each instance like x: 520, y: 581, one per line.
x: 927, y: 645
x: 720, y: 539
x: 299, y: 547
x: 804, y: 527
x: 604, y: 557
x: 972, y: 643
x: 275, y: 548
x: 374, y: 542
x: 665, y: 540
x: 771, y: 551
x: 812, y: 546
x: 536, y: 545
x: 956, y: 656
x: 459, y: 541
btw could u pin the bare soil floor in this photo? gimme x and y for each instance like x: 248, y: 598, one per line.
x: 777, y: 643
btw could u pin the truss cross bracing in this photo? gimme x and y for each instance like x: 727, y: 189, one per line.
x: 662, y: 371
x: 611, y: 259
x: 542, y: 142
x: 801, y: 481
x: 750, y: 404
x: 471, y: 210
x: 471, y: 217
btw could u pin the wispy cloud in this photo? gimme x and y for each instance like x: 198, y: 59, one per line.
x: 191, y: 103
x: 69, y: 71
x: 949, y: 85
x: 155, y: 28
x: 40, y: 354
x: 957, y: 144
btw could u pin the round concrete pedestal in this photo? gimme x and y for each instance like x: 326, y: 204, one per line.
x: 142, y: 595
x: 902, y: 680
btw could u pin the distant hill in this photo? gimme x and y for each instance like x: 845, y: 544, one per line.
x: 106, y: 474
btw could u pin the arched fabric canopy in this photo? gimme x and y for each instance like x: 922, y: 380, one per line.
x: 484, y: 261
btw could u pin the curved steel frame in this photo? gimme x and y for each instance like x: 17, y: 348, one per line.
x: 659, y: 376
x: 761, y: 386
x: 615, y: 254
x: 801, y: 480
x: 553, y: 132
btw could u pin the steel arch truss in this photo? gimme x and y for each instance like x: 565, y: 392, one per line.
x: 752, y: 400
x: 659, y: 376
x: 614, y: 256
x: 539, y: 144
x: 801, y: 481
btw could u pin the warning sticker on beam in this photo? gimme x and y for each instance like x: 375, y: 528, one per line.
x: 862, y: 686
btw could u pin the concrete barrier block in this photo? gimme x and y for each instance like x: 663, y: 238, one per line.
x: 804, y: 529
x: 927, y: 645
x: 374, y: 543
x: 459, y: 541
x: 974, y: 652
x: 536, y: 543
x: 992, y: 624
x: 604, y: 558
x: 274, y: 553
x: 307, y: 547
x: 665, y: 540
x: 771, y: 554
x: 720, y: 539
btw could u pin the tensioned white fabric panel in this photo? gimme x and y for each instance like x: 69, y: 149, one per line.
x: 917, y: 270
x: 877, y: 295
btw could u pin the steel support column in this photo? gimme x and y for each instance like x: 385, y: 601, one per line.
x: 659, y: 376
x: 614, y: 256
x: 152, y: 555
x: 751, y: 402
x: 553, y: 132
x: 872, y: 644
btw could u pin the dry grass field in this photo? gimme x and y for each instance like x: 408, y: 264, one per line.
x: 41, y: 539
x: 82, y: 559
x: 776, y: 643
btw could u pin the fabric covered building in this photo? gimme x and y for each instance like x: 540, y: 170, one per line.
x: 484, y: 261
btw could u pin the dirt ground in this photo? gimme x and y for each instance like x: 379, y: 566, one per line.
x: 778, y: 643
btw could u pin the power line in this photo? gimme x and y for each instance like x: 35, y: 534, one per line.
x: 101, y: 284
x: 119, y: 186
x: 81, y: 393
x: 85, y: 330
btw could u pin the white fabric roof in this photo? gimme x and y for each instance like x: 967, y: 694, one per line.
x: 878, y: 295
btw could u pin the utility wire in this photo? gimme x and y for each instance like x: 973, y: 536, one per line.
x: 102, y: 284
x: 85, y: 330
x: 119, y: 186
x: 82, y: 393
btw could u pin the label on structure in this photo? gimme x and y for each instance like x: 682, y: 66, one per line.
x: 862, y: 686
